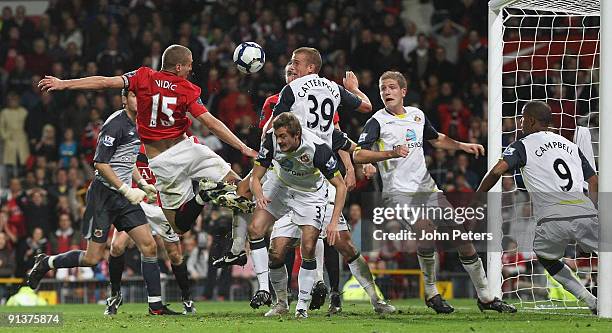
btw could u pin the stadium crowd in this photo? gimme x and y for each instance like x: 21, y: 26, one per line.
x: 47, y: 141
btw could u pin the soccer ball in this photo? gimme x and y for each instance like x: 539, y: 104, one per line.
x: 249, y: 57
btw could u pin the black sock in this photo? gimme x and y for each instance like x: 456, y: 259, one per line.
x: 289, y: 260
x: 115, y: 270
x: 332, y: 265
x: 150, y: 273
x: 187, y: 214
x: 182, y: 278
x: 66, y: 260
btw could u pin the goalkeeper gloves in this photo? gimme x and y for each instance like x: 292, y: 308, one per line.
x: 149, y: 189
x: 134, y: 195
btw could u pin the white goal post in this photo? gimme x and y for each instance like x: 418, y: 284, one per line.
x: 576, y: 42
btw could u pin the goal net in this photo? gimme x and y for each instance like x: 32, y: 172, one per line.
x: 550, y: 53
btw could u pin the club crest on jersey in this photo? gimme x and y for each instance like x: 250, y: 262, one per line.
x: 305, y: 158
x: 108, y: 140
x: 417, y: 119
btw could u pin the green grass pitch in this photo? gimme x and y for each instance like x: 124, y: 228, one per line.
x: 230, y: 317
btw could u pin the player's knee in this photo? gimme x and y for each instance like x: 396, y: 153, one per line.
x: 175, y: 256
x: 275, y: 258
x: 116, y: 251
x: 148, y: 248
x: 308, y: 250
x: 552, y: 266
x: 256, y: 230
x: 91, y: 258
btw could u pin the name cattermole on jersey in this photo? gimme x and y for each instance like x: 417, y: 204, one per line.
x: 317, y: 83
x: 412, y: 214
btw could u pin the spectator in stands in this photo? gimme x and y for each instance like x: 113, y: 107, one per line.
x: 12, y: 124
x: 71, y: 33
x: 19, y: 77
x: 68, y: 148
x: 37, y: 213
x: 47, y: 145
x: 65, y: 238
x: 354, y: 221
x: 449, y: 34
x: 39, y: 62
x: 35, y: 245
x: 8, y: 229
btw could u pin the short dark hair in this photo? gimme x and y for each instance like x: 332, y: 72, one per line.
x: 290, y: 122
x: 313, y: 56
x: 174, y: 55
x: 539, y: 110
x: 397, y: 76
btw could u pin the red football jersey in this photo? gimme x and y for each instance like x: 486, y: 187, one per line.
x: 268, y: 107
x: 142, y: 163
x: 163, y: 102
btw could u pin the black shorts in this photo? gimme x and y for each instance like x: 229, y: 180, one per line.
x: 106, y: 207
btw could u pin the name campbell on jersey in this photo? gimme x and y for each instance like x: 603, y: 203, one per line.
x: 553, y: 170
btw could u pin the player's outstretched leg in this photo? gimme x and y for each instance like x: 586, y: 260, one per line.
x: 319, y: 291
x: 237, y: 255
x: 564, y: 275
x: 181, y: 275
x: 428, y: 261
x: 473, y: 265
x: 116, y: 265
x: 150, y: 269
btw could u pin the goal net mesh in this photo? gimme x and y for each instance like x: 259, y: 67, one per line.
x: 551, y: 54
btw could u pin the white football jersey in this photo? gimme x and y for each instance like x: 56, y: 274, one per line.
x: 384, y: 131
x: 304, y: 169
x: 553, y: 170
x: 315, y: 100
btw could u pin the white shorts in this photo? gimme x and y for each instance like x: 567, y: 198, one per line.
x: 158, y: 222
x: 176, y: 168
x: 552, y: 237
x: 306, y: 208
x: 329, y: 210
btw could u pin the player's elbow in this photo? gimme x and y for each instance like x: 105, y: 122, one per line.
x: 365, y: 107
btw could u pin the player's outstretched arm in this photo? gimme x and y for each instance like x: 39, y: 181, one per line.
x: 255, y: 185
x: 493, y: 176
x: 593, y: 188
x: 222, y: 132
x: 134, y: 195
x: 339, y: 200
x: 51, y: 83
x: 445, y: 142
x: 351, y: 84
x: 364, y: 156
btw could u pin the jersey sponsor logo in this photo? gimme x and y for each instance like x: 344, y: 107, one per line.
x: 412, y: 139
x: 509, y: 151
x: 108, y: 140
x: 145, y: 173
x: 165, y: 84
x: 305, y: 158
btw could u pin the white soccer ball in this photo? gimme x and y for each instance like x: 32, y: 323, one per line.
x: 249, y: 57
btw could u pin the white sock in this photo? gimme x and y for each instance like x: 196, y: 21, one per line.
x: 306, y: 279
x: 428, y: 265
x: 260, y: 266
x: 239, y: 232
x: 479, y: 278
x: 279, y: 277
x: 320, y: 256
x: 566, y: 278
x: 361, y: 271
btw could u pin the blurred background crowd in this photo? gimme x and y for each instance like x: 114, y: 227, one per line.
x: 47, y: 141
